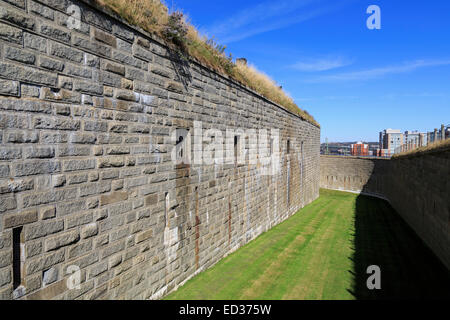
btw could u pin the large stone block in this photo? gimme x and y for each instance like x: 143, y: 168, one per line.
x: 11, y: 34
x: 62, y: 240
x: 27, y: 74
x: 20, y: 219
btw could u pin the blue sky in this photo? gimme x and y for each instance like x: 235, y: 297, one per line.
x: 354, y: 81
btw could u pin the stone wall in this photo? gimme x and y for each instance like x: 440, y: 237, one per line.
x: 353, y: 174
x: 88, y: 189
x: 416, y: 186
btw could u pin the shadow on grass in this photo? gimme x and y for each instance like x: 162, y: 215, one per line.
x: 409, y: 270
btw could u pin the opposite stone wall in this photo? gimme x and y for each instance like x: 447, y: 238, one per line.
x: 86, y: 177
x: 353, y: 174
x: 416, y: 186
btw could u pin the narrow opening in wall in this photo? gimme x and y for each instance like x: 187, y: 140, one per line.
x: 17, y: 257
x: 288, y: 147
x: 183, y: 145
x: 166, y: 209
x: 180, y: 146
x: 236, y: 148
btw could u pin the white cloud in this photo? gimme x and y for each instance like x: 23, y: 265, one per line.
x: 381, y: 71
x: 267, y: 16
x: 321, y: 64
x: 413, y: 95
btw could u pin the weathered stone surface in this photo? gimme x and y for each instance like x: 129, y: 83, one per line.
x: 55, y: 33
x: 19, y: 219
x: 19, y: 55
x: 78, y: 71
x: 174, y: 86
x: 36, y: 167
x: 17, y: 18
x: 16, y: 185
x: 116, y: 68
x: 8, y: 203
x: 98, y: 126
x: 41, y: 10
x: 56, y: 123
x: 144, y: 236
x: 51, y: 64
x: 22, y: 137
x: 27, y: 74
x: 62, y: 240
x: 89, y: 231
x: 5, y: 258
x: 105, y: 38
x: 10, y: 153
x: 33, y: 249
x: 127, y: 84
x: 50, y: 276
x: 113, y: 198
x: 111, y: 162
x: 142, y: 53
x: 39, y: 152
x: 42, y: 229
x: 5, y: 276
x: 65, y: 52
x: 35, y: 42
x: 4, y: 170
x: 88, y: 87
x: 8, y: 87
x: 46, y: 261
x: 29, y: 91
x: 48, y: 213
x: 92, y: 46
x: 17, y: 3
x: 11, y: 34
x: 127, y: 95
x: 25, y: 105
x: 58, y: 181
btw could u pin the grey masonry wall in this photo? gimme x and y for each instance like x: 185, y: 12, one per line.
x: 353, y: 174
x: 86, y: 178
x: 416, y: 186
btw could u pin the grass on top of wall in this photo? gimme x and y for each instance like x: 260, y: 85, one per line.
x: 154, y: 17
x: 436, y: 146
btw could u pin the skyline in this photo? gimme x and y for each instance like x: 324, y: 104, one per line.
x: 356, y: 82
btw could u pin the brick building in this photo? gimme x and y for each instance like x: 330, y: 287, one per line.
x: 360, y: 149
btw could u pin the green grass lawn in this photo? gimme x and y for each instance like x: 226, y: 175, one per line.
x: 322, y: 252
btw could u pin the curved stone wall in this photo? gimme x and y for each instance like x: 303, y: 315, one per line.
x: 416, y: 186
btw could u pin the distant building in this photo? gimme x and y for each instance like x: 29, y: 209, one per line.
x: 438, y: 135
x: 415, y: 138
x: 382, y: 153
x: 390, y: 140
x: 360, y: 149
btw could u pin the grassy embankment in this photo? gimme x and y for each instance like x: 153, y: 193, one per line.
x: 433, y: 147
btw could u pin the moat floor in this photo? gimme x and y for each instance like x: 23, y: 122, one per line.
x: 323, y: 252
